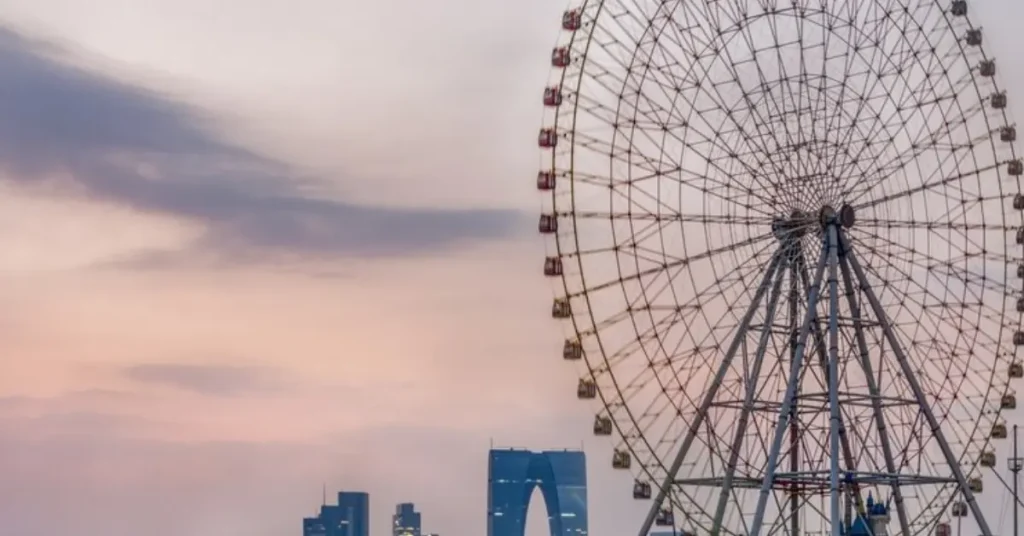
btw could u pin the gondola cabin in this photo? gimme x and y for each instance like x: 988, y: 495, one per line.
x: 959, y: 509
x: 1020, y: 305
x: 988, y: 459
x: 560, y: 57
x: 1015, y: 168
x: 974, y: 37
x: 942, y: 529
x: 1016, y: 368
x: 999, y: 101
x: 1008, y: 401
x: 572, y: 350
x: 546, y: 180
x: 572, y: 20
x: 999, y: 431
x: 621, y: 459
x: 959, y: 8
x: 665, y: 518
x: 548, y: 138
x: 560, y: 308
x: 552, y: 266
x: 975, y: 484
x: 641, y: 490
x: 602, y: 426
x: 552, y: 97
x: 987, y: 68
x: 1020, y: 235
x: 1018, y: 338
x: 1008, y: 134
x: 586, y: 389
x: 547, y: 224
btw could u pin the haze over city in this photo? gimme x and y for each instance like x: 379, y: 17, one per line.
x: 252, y: 248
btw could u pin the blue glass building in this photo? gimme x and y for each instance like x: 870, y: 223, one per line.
x: 406, y: 521
x: 514, y: 474
x: 350, y: 517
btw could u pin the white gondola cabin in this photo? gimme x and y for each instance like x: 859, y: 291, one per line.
x: 665, y: 518
x: 641, y: 490
x: 546, y: 180
x: 1008, y: 134
x: 548, y: 138
x: 988, y: 459
x: 975, y: 484
x: 621, y: 459
x: 572, y: 20
x: 999, y: 431
x: 560, y: 57
x: 560, y: 308
x: 1015, y: 168
x: 586, y: 389
x: 959, y: 8
x: 1008, y: 401
x: 602, y: 426
x: 572, y: 350
x: 974, y: 37
x: 999, y: 100
x: 552, y: 97
x: 552, y: 266
x: 1017, y: 369
x: 987, y: 68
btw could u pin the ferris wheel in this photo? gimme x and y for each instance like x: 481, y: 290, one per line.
x: 789, y: 248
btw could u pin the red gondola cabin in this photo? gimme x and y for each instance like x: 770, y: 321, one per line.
x: 547, y: 138
x: 572, y: 20
x: 546, y: 180
x: 552, y: 97
x: 560, y: 57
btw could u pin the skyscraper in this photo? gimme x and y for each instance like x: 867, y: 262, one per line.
x: 562, y: 479
x: 351, y: 517
x: 406, y: 521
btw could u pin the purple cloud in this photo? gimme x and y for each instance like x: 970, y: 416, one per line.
x: 131, y: 146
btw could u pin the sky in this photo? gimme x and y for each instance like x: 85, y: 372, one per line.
x: 252, y: 250
x: 256, y: 247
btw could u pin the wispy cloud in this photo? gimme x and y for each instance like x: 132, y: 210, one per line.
x: 115, y: 142
x: 209, y: 380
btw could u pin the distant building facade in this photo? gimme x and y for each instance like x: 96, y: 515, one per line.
x: 406, y: 521
x: 350, y: 517
x: 512, y: 477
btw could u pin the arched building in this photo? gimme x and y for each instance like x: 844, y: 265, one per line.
x: 512, y: 477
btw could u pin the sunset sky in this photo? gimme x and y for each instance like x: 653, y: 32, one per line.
x: 252, y: 247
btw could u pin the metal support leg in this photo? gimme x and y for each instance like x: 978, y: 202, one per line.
x: 784, y: 413
x: 833, y: 378
x: 844, y: 441
x: 873, y: 391
x: 748, y: 403
x: 709, y: 397
x: 915, y: 386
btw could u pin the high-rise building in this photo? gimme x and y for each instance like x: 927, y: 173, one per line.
x: 350, y: 517
x: 562, y: 479
x: 406, y: 521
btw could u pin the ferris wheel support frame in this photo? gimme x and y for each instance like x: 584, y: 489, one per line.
x: 876, y: 397
x: 838, y: 258
x: 847, y: 255
x: 709, y: 398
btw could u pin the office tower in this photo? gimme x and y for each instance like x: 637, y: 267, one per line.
x: 514, y: 474
x: 350, y: 517
x: 406, y: 521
